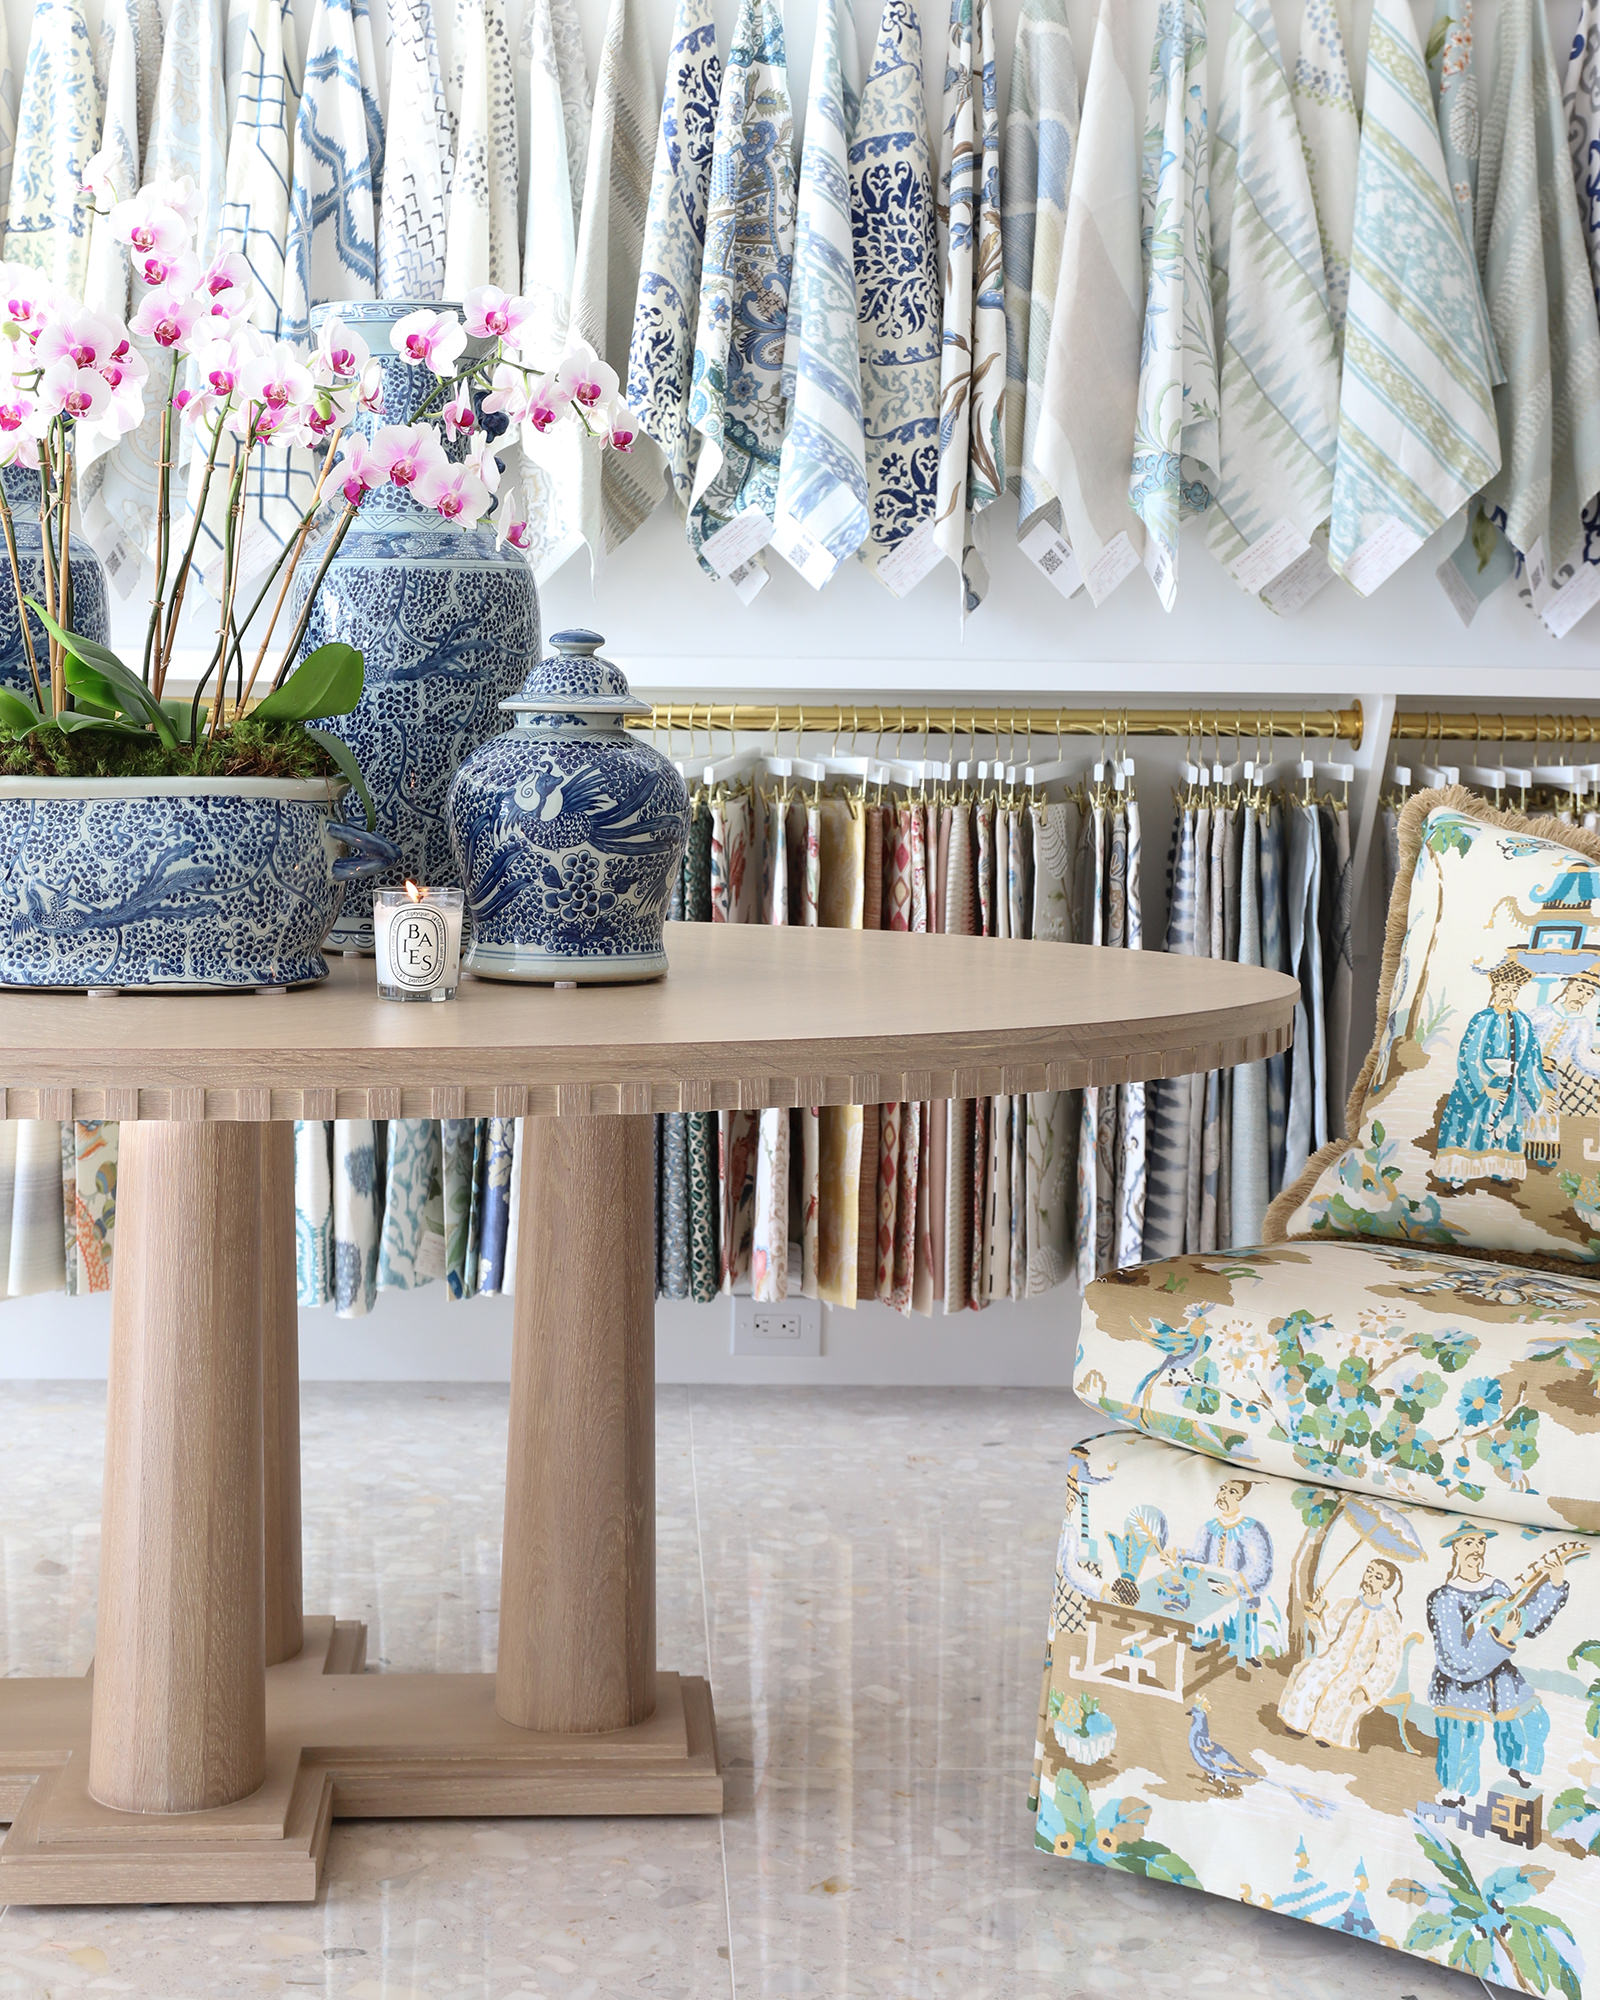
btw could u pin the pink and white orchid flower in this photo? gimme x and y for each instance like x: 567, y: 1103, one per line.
x: 407, y: 451
x: 511, y: 518
x: 99, y: 183
x: 167, y: 317
x: 492, y: 314
x: 458, y: 415
x: 340, y: 354
x: 584, y: 378
x: 359, y: 470
x: 508, y: 394
x: 81, y: 337
x: 150, y: 226
x: 483, y: 464
x: 279, y: 378
x: 453, y: 492
x: 370, y: 397
x: 429, y: 339
x: 70, y: 391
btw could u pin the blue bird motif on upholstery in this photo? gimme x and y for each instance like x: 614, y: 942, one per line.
x: 1213, y: 1760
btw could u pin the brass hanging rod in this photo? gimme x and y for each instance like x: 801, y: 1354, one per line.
x: 1489, y: 731
x: 871, y: 718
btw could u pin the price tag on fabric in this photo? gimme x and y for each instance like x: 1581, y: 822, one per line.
x: 803, y: 553
x: 1115, y: 563
x: 1293, y: 589
x: 749, y: 579
x: 910, y: 560
x: 1268, y: 556
x: 1052, y: 556
x: 1385, y: 550
x: 747, y: 534
x: 1568, y: 604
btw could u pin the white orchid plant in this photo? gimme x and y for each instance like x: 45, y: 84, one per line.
x: 74, y: 381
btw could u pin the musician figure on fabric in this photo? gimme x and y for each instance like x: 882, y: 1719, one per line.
x: 1239, y: 1546
x: 1501, y: 1082
x: 1477, y: 1622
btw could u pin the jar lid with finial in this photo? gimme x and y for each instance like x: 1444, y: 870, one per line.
x: 572, y: 679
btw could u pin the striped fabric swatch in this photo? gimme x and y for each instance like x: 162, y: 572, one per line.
x: 1325, y: 105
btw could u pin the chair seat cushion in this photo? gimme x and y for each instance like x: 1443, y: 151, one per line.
x: 1373, y: 1717
x: 1453, y: 1381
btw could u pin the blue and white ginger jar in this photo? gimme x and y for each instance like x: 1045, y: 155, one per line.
x: 569, y: 832
x: 446, y: 621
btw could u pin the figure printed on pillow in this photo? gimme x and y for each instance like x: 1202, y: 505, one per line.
x: 1237, y: 1544
x: 1501, y: 1082
x: 1566, y: 1031
x: 1353, y: 1666
x: 1477, y: 1622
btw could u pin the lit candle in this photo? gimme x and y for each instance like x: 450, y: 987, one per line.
x: 417, y: 936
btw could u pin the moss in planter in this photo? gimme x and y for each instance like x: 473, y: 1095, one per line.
x: 248, y: 749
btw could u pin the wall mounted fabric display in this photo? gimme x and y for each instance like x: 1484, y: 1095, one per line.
x: 415, y: 195
x: 482, y: 237
x: 331, y: 248
x: 59, y: 111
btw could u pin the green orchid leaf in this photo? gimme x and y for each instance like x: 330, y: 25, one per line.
x: 18, y: 716
x: 339, y: 751
x: 131, y: 696
x: 90, y: 689
x: 73, y: 722
x: 326, y: 682
x: 181, y: 715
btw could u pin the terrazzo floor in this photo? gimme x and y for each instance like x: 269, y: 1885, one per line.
x: 862, y: 1574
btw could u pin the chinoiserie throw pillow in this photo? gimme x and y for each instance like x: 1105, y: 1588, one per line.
x: 1475, y: 1122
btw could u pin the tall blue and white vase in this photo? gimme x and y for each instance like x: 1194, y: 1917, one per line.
x: 448, y: 624
x: 88, y: 579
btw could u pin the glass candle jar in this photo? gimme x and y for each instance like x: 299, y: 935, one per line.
x: 416, y: 934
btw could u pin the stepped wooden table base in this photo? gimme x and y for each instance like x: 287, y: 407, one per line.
x: 341, y: 1744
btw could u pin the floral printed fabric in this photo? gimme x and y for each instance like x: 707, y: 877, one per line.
x: 769, y: 1254
x: 972, y: 378
x: 1041, y: 148
x: 58, y: 130
x: 414, y: 200
x: 736, y: 401
x: 331, y: 251
x: 1051, y: 1125
x: 822, y: 470
x: 897, y: 288
x: 92, y: 1198
x: 661, y: 353
x: 1480, y: 1120
x: 1317, y: 1703
x: 411, y: 1242
x: 1325, y: 108
x: 1175, y: 447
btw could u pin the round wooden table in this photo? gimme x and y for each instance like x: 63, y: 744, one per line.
x: 220, y: 1731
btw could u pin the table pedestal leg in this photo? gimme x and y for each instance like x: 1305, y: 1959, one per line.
x: 577, y: 1587
x: 280, y: 1397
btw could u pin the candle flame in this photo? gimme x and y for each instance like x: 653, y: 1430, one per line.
x: 414, y: 892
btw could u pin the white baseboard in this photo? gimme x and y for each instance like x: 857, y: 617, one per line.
x: 425, y: 1336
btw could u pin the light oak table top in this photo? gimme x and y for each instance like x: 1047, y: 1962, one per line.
x: 748, y: 1017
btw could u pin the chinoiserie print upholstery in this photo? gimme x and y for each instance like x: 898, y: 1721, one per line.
x: 1325, y: 1633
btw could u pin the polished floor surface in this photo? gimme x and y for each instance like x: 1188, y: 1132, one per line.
x: 862, y: 1573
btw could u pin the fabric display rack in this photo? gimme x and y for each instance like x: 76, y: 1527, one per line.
x: 1024, y: 821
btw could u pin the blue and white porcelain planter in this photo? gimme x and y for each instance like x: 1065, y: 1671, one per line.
x: 89, y: 613
x: 568, y: 832
x: 184, y: 883
x: 447, y: 623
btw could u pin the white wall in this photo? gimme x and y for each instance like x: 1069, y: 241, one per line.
x: 678, y: 633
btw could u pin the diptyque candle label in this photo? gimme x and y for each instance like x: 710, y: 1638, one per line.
x: 418, y: 946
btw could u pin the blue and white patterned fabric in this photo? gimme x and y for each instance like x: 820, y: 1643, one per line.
x: 10, y: 85
x: 1175, y: 445
x: 897, y: 287
x: 58, y: 132
x: 822, y: 472
x: 130, y: 54
x: 411, y: 1238
x: 331, y: 250
x: 357, y: 1208
x: 736, y: 401
x: 1041, y: 148
x: 1582, y: 103
x: 481, y: 238
x: 494, y: 1235
x: 189, y: 126
x: 415, y: 192
x: 1325, y: 106
x: 1417, y: 430
x: 1279, y: 371
x: 661, y: 353
x: 255, y: 209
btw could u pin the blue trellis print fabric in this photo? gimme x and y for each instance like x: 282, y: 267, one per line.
x: 822, y: 473
x: 897, y: 288
x: 58, y: 131
x: 661, y: 353
x: 415, y: 190
x: 331, y: 251
x: 736, y: 401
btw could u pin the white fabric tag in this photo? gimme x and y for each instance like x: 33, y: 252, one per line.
x: 744, y: 536
x: 1464, y: 600
x: 1293, y: 589
x: 904, y: 567
x: 1536, y: 566
x: 1268, y: 556
x: 1384, y: 551
x: 803, y: 552
x: 1052, y: 556
x: 1568, y: 604
x: 1115, y: 563
x: 749, y: 579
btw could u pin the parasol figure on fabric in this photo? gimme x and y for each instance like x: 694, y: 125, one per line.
x: 1358, y: 1643
x: 1501, y: 1083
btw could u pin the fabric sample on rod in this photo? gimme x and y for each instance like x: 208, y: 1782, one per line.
x: 897, y: 287
x: 331, y: 250
x: 313, y: 1210
x: 736, y: 402
x: 842, y: 873
x: 414, y: 199
x: 803, y: 833
x: 661, y: 350
x: 1052, y: 1126
x: 1132, y: 1098
x: 1325, y: 105
x: 356, y: 1216
x: 1094, y: 849
x: 822, y: 469
x: 735, y: 885
x: 1084, y: 444
x: 960, y: 920
x: 411, y: 1240
x: 972, y: 376
x: 1041, y: 141
x: 189, y: 125
x: 59, y: 113
x: 1417, y: 432
x: 1175, y: 448
x: 1278, y: 391
x: 769, y: 1254
x: 1167, y: 1137
x: 498, y: 1140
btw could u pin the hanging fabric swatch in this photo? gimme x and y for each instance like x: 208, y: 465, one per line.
x: 705, y: 1250
x: 979, y: 1178
x: 1041, y: 146
x: 821, y: 517
x: 803, y: 833
x: 769, y: 1257
x: 1019, y: 899
x: 498, y: 1142
x: 1132, y: 1098
x: 661, y: 352
x: 1338, y: 963
x: 1307, y: 1126
x: 92, y: 1195
x: 130, y: 57
x: 1455, y: 103
x: 936, y: 1115
x: 10, y: 89
x: 1581, y: 101
x: 1167, y: 1140
x: 1278, y: 391
x: 411, y: 1240
x: 841, y: 861
x: 1084, y: 444
x: 255, y: 207
x: 1052, y: 1129
x: 737, y: 403
x: 972, y: 376
x: 1093, y: 1233
x: 616, y: 490
x: 1175, y: 450
x: 960, y: 920
x: 36, y: 1214
x: 872, y: 864
x: 1417, y: 433
x: 900, y: 1127
x: 1249, y: 1158
x: 996, y: 1238
x: 673, y: 1275
x: 460, y: 1140
x: 481, y: 234
x: 313, y: 1210
x: 189, y: 124
x: 735, y: 887
x: 1325, y: 106
x: 897, y: 287
x: 331, y: 247
x: 1275, y: 958
x: 58, y: 131
x: 414, y: 199
x: 356, y: 1192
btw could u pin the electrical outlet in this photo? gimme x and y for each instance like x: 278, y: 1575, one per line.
x: 790, y: 1327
